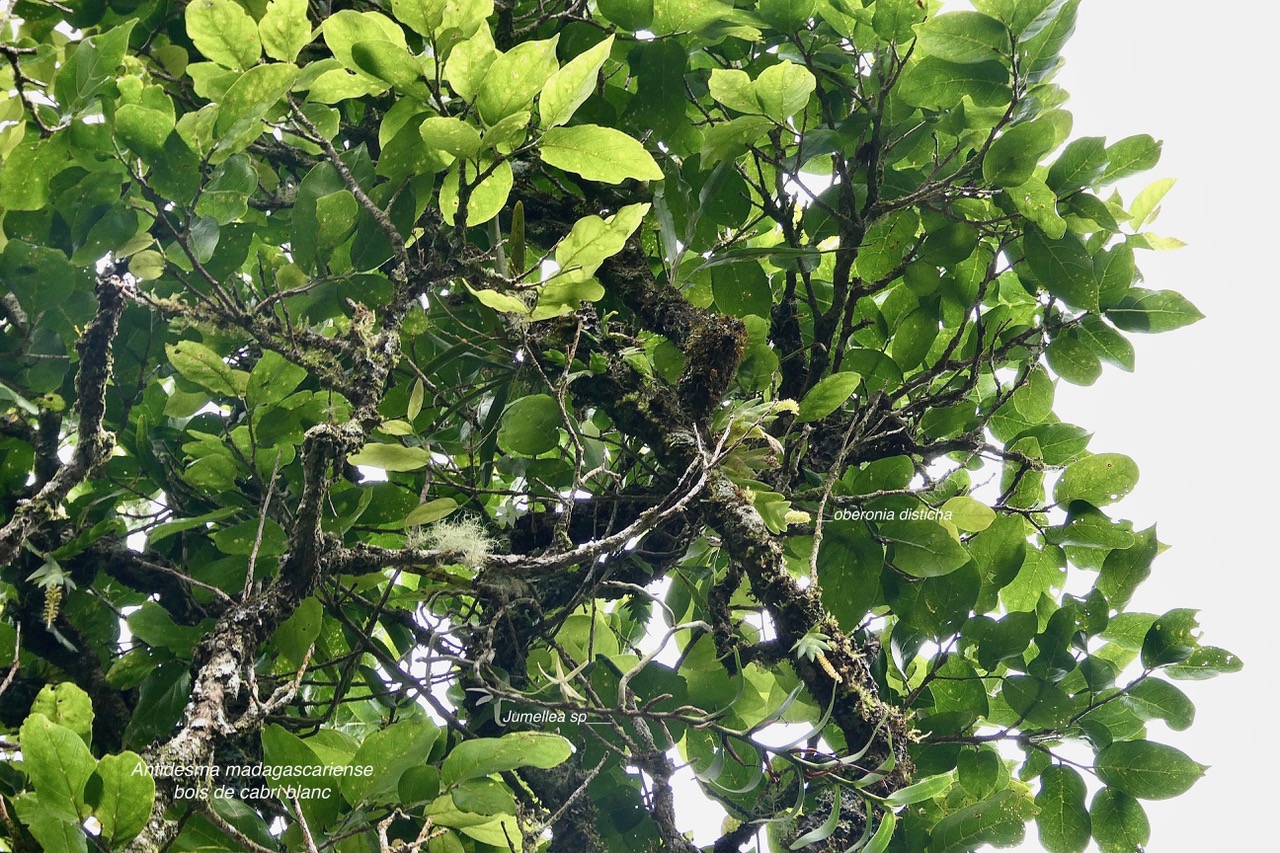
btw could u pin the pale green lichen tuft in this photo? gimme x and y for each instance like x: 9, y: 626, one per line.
x: 466, y: 537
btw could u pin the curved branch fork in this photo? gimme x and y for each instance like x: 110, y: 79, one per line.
x: 226, y: 654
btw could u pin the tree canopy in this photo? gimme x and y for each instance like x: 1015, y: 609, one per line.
x: 441, y: 424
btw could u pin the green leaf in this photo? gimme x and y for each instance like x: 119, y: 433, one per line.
x: 893, y: 20
x: 66, y: 705
x: 284, y: 29
x: 487, y: 198
x: 598, y: 154
x: 1027, y: 18
x: 829, y: 394
x: 451, y: 135
x: 886, y: 243
x: 272, y: 379
x: 391, y: 457
x: 514, y: 79
x: 914, y: 338
x: 1064, y: 268
x: 1037, y: 202
x: 1156, y: 699
x: 1062, y: 821
x: 923, y: 549
x: 91, y: 67
x: 1153, y: 311
x: 732, y: 87
x: 51, y: 829
x: 502, y: 302
x: 473, y: 759
x: 1171, y: 639
x: 963, y: 37
x: 934, y: 83
x: 1146, y: 205
x: 1041, y: 703
x: 1130, y: 156
x: 1204, y: 663
x: 1012, y: 158
x: 295, y: 636
x: 629, y: 14
x: 424, y: 17
x: 143, y: 130
x: 343, y: 30
x: 742, y: 289
x: 879, y: 842
x: 201, y: 365
x: 1125, y: 568
x: 1147, y: 770
x: 570, y: 86
x: 999, y: 821
x: 127, y: 793
x: 223, y: 31
x: 1073, y: 359
x: 288, y: 761
x: 168, y: 528
x: 58, y: 764
x: 530, y: 426
x: 849, y: 564
x: 1108, y: 344
x: 465, y: 69
x: 1079, y: 165
x: 1120, y: 824
x: 390, y: 752
x: 782, y: 90
x: 391, y: 63
x: 823, y: 831
x: 727, y: 140
x: 918, y: 792
x: 335, y: 217
x: 1101, y: 479
x: 593, y: 240
x: 971, y: 516
x: 432, y: 510
x: 226, y: 197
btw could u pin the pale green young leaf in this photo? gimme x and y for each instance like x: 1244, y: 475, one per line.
x: 515, y: 78
x: 1146, y: 205
x: 963, y: 37
x: 391, y: 457
x: 284, y: 29
x: 598, y: 154
x: 468, y: 63
x: 782, y: 90
x: 250, y: 97
x: 451, y: 135
x: 592, y: 240
x: 487, y: 198
x: 570, y: 86
x: 424, y: 17
x: 223, y: 31
x: 480, y: 757
x: 201, y: 365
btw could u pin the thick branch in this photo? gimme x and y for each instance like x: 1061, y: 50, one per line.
x: 93, y: 444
